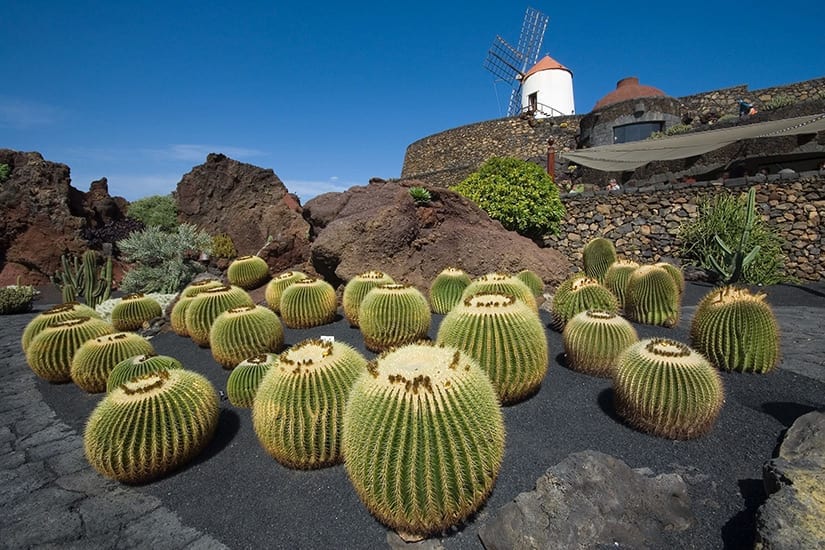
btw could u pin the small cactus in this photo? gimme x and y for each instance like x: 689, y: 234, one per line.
x: 206, y: 306
x: 667, y: 389
x: 447, y: 288
x: 177, y: 318
x: 60, y: 312
x: 244, y: 380
x: 139, y: 365
x: 133, y: 310
x: 423, y: 438
x: 50, y: 352
x: 616, y: 277
x: 393, y: 315
x: 357, y: 288
x: 151, y: 425
x: 298, y: 409
x: 244, y: 331
x: 652, y: 297
x: 95, y: 359
x: 593, y: 340
x: 532, y: 280
x: 582, y: 294
x: 247, y: 272
x: 505, y: 337
x: 736, y: 331
x: 501, y: 283
x: 597, y: 256
x: 276, y: 287
x: 308, y: 303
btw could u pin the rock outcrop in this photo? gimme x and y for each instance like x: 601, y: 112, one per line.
x: 591, y: 500
x: 379, y: 226
x: 248, y: 203
x: 794, y: 515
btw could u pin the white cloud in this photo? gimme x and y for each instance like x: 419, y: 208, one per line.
x: 22, y: 115
x: 198, y: 152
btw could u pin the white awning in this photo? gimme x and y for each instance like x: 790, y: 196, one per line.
x: 629, y: 156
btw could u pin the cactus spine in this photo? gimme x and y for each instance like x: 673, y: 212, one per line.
x: 151, y: 425
x: 617, y: 276
x: 308, y: 303
x: 505, y: 337
x: 244, y: 380
x: 298, y: 409
x: 597, y: 256
x: 676, y: 273
x: 137, y: 366
x: 736, y: 331
x: 423, y: 438
x: 581, y: 294
x: 393, y: 315
x: 95, y: 359
x: 357, y: 288
x: 593, y: 340
x: 244, y: 331
x: 501, y: 283
x: 133, y: 310
x: 81, y: 277
x: 652, y: 297
x: 50, y: 352
x: 447, y: 288
x: 532, y: 280
x: 276, y: 287
x: 60, y: 312
x: 247, y: 272
x: 665, y: 388
x: 207, y: 305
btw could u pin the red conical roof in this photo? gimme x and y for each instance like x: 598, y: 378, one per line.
x: 546, y: 63
x: 628, y: 88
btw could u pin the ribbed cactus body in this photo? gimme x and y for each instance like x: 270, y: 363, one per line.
x: 151, y: 425
x: 393, y: 315
x: 357, y: 288
x: 276, y: 287
x: 206, y: 306
x: 652, y: 297
x: 501, y: 283
x: 423, y: 438
x: 617, y: 276
x: 665, y: 388
x: 133, y: 310
x: 298, y: 410
x: 447, y: 288
x: 736, y: 330
x: 244, y: 380
x: 242, y: 332
x: 137, y: 366
x: 61, y: 312
x: 676, y: 273
x: 177, y: 317
x: 247, y: 272
x: 593, y: 340
x: 582, y: 294
x: 50, y: 352
x: 195, y: 288
x: 532, y: 280
x: 505, y: 337
x: 95, y: 359
x: 597, y: 256
x: 308, y: 303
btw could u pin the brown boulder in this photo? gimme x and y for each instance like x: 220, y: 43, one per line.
x: 379, y: 226
x: 248, y: 203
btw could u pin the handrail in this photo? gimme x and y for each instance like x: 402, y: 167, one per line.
x: 542, y: 109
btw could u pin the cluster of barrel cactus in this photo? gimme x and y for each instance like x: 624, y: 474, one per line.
x: 177, y: 317
x: 357, y: 288
x: 50, y: 352
x: 276, y: 286
x: 207, y: 305
x: 95, y: 359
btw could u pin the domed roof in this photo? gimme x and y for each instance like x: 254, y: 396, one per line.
x: 628, y: 88
x: 545, y: 63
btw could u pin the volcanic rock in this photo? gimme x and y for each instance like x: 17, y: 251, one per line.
x: 379, y: 226
x: 248, y: 203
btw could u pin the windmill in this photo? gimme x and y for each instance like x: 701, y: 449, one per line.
x: 508, y: 63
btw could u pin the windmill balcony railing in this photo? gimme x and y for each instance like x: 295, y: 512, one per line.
x: 540, y: 109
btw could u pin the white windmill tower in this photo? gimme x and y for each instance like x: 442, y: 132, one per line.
x: 543, y: 88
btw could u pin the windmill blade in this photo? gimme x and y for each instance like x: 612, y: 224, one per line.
x: 532, y: 35
x: 503, y: 60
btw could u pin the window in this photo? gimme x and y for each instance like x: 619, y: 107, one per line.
x: 636, y: 131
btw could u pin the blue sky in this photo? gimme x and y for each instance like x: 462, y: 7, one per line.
x: 329, y: 94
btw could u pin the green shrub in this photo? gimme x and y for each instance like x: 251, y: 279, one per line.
x: 779, y: 101
x: 163, y: 262
x: 223, y: 247
x: 676, y: 129
x: 157, y: 210
x: 5, y: 170
x: 16, y: 299
x: 420, y: 195
x: 726, y: 216
x: 519, y: 194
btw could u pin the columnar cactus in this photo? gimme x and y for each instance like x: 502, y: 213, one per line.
x: 423, y: 438
x: 357, y: 288
x: 308, y: 303
x: 505, y: 337
x: 61, y: 312
x: 247, y: 272
x: 206, y: 306
x: 617, y: 276
x: 652, y: 297
x: 393, y: 315
x: 151, y: 425
x: 736, y: 330
x: 447, y: 288
x: 244, y: 331
x: 276, y: 287
x: 593, y: 340
x: 50, y: 352
x: 133, y: 310
x: 177, y: 318
x: 95, y: 359
x: 299, y: 407
x: 597, y: 256
x: 138, y: 366
x: 244, y: 380
x: 665, y: 388
x: 532, y: 280
x: 676, y: 273
x: 582, y: 294
x: 501, y: 283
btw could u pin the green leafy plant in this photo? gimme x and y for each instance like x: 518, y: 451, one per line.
x: 5, y: 171
x: 420, y: 195
x: 223, y: 246
x: 163, y: 262
x: 16, y: 298
x: 519, y: 194
x: 779, y: 101
x: 156, y: 210
x: 83, y: 277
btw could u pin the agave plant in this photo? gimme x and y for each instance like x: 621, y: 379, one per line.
x: 95, y: 359
x: 357, y: 288
x: 447, y: 288
x: 242, y: 332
